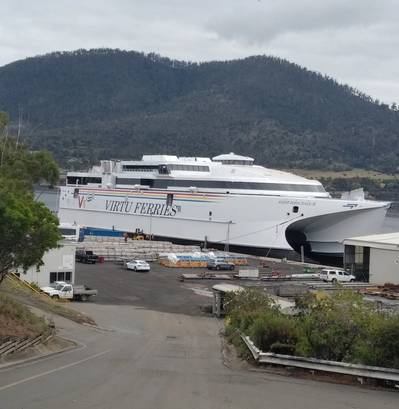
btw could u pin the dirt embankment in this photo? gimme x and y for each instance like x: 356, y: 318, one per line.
x: 17, y: 321
x: 20, y: 294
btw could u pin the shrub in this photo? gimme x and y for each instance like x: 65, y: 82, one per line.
x: 332, y: 325
x: 244, y: 307
x: 381, y: 346
x: 273, y: 331
x: 338, y: 327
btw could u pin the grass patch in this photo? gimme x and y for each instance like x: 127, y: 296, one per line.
x: 17, y: 321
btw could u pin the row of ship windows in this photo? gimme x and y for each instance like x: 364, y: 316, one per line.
x: 147, y: 168
x: 191, y: 168
x: 214, y: 184
x: 218, y: 184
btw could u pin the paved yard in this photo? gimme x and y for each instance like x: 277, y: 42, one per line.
x: 159, y: 289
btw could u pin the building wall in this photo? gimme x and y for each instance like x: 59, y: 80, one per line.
x: 384, y: 266
x: 56, y: 261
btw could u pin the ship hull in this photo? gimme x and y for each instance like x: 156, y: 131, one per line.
x: 261, y: 223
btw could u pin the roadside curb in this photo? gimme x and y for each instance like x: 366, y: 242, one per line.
x: 10, y: 365
x: 96, y: 327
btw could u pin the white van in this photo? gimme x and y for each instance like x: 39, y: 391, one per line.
x: 335, y: 276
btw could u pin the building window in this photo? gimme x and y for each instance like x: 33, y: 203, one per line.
x: 60, y: 276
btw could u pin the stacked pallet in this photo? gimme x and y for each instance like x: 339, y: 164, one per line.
x: 389, y: 291
x: 117, y: 250
x: 198, y: 259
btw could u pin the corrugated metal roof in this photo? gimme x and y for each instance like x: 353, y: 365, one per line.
x: 385, y: 241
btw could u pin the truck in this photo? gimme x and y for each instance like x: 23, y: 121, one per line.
x: 86, y: 256
x: 66, y: 291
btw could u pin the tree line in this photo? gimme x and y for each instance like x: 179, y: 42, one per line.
x: 89, y: 105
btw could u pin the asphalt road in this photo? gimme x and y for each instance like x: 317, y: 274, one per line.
x: 145, y: 358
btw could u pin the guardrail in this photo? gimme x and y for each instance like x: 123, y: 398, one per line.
x: 342, y: 368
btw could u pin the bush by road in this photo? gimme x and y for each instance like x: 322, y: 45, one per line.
x: 338, y: 327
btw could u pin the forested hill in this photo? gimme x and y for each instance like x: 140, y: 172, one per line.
x: 88, y: 105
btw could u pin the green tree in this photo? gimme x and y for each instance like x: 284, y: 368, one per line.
x: 27, y: 227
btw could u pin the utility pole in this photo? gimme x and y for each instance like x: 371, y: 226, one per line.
x: 227, y: 244
x: 150, y: 225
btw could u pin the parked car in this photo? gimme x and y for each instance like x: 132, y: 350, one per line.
x: 68, y: 291
x: 138, y: 265
x: 334, y: 276
x: 86, y: 256
x: 220, y: 264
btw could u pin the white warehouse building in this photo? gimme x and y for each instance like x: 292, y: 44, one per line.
x: 373, y: 258
x: 58, y: 265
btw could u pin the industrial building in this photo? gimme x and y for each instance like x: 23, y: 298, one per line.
x: 373, y: 258
x: 58, y: 265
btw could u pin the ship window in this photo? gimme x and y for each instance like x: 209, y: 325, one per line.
x: 147, y: 182
x: 67, y: 232
x: 127, y: 181
x: 295, y: 209
x: 73, y: 180
x: 92, y: 180
x: 163, y: 170
x: 82, y: 180
x: 139, y: 168
x: 189, y: 168
x: 235, y: 162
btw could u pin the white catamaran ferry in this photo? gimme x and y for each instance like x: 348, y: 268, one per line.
x: 226, y: 200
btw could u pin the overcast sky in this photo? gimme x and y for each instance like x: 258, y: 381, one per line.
x: 354, y: 41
